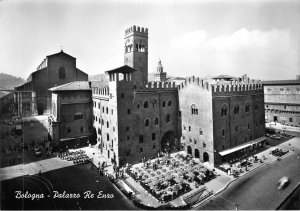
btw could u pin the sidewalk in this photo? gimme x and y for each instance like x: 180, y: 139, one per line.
x: 284, y: 128
x: 221, y: 183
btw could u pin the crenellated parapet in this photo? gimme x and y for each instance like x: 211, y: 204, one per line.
x: 155, y: 86
x: 136, y: 29
x: 197, y: 81
x: 236, y: 87
x: 220, y: 87
x: 104, y: 91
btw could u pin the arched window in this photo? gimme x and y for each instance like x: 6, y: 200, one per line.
x: 62, y: 73
x: 224, y: 110
x: 247, y: 108
x: 107, y: 110
x: 147, y: 122
x: 236, y: 109
x: 169, y: 102
x: 107, y: 124
x: 146, y: 104
x: 194, y: 110
x: 156, y: 121
x: 99, y: 131
x: 168, y: 118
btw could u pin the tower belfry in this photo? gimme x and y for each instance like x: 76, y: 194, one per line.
x: 136, y: 52
x: 160, y: 75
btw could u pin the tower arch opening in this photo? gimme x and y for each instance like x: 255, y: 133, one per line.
x: 169, y: 142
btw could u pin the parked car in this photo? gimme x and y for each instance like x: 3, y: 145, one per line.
x: 282, y: 183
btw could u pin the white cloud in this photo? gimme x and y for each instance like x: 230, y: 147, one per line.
x: 262, y: 54
x: 243, y: 39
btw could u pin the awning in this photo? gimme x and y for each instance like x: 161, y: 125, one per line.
x: 260, y: 139
x: 243, y: 146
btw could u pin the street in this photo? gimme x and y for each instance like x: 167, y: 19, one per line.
x: 258, y: 189
x: 56, y: 189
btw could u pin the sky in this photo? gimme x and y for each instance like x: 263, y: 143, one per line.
x: 210, y: 37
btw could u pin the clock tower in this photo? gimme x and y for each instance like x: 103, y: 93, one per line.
x: 136, y: 52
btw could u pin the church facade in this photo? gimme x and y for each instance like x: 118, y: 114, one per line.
x: 54, y: 70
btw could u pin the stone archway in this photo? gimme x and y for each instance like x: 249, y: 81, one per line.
x: 189, y: 150
x: 197, y: 154
x: 205, y: 157
x: 169, y: 142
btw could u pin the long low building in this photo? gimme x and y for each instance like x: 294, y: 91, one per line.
x: 282, y: 101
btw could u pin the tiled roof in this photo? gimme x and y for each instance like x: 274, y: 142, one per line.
x: 224, y: 76
x: 176, y: 78
x: 79, y: 85
x: 75, y: 85
x: 123, y: 69
x: 282, y: 82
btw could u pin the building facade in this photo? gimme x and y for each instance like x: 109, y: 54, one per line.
x: 55, y: 70
x: 71, y: 119
x: 217, y: 122
x: 221, y: 122
x: 282, y: 101
x: 135, y: 119
x: 25, y: 103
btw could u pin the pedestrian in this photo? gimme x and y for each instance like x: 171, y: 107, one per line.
x: 117, y: 171
x: 114, y: 167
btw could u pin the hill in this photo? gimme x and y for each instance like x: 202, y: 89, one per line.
x: 98, y: 77
x: 8, y: 81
